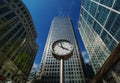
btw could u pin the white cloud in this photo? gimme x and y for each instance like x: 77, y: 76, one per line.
x: 87, y: 60
x: 85, y: 56
x: 35, y: 66
x: 84, y: 53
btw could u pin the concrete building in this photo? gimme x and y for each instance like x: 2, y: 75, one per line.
x: 61, y: 28
x: 99, y: 28
x: 17, y: 41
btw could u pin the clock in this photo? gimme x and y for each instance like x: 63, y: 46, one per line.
x: 62, y: 49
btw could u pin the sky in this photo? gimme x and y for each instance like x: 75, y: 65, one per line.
x: 43, y: 12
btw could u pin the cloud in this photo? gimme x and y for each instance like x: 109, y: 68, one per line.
x: 84, y: 53
x: 85, y: 57
x: 35, y: 66
x: 86, y: 60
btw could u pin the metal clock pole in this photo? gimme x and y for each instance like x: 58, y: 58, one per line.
x: 63, y: 56
x: 61, y: 71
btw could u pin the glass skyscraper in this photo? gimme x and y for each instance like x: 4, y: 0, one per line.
x: 61, y: 28
x: 17, y: 41
x: 99, y: 27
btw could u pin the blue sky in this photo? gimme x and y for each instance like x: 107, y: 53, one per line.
x: 43, y: 11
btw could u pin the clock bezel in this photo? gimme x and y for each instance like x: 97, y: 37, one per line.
x: 63, y: 56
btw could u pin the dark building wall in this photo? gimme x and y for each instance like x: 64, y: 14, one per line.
x: 17, y: 40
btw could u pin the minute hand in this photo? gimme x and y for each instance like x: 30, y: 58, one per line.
x: 65, y: 48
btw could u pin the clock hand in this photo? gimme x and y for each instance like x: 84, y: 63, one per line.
x: 60, y: 45
x: 65, y: 48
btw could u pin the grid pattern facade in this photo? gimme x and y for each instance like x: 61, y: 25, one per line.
x: 61, y: 28
x: 99, y: 27
x: 17, y: 40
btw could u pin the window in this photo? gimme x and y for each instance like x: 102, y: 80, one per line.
x: 21, y: 16
x: 113, y: 25
x: 28, y: 18
x: 90, y: 21
x: 25, y: 12
x: 93, y: 8
x: 11, y: 33
x: 112, y: 45
x: 16, y: 1
x: 97, y: 28
x: 96, y: 0
x: 107, y: 2
x: 84, y: 14
x: 19, y: 4
x: 102, y: 14
x: 13, y: 5
x: 18, y: 11
x: 110, y: 20
x: 117, y: 36
x: 107, y: 40
x: 86, y: 4
x: 10, y: 15
x: 2, y: 20
x: 30, y: 22
x: 22, y: 8
x: 117, y: 5
x: 4, y: 10
x: 26, y: 15
x: 2, y: 2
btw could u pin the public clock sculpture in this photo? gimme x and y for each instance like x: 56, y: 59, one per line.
x: 62, y: 49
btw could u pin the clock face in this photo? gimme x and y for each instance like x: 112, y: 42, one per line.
x: 62, y: 47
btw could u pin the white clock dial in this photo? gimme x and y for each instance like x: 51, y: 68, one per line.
x: 62, y: 48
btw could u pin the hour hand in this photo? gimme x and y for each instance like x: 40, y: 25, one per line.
x: 65, y: 48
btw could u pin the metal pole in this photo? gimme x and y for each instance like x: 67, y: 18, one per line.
x: 61, y: 71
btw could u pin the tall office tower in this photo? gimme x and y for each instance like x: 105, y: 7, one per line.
x: 17, y: 41
x: 61, y: 28
x: 99, y: 27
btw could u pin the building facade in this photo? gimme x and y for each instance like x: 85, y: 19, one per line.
x: 61, y: 28
x: 17, y: 41
x: 99, y: 28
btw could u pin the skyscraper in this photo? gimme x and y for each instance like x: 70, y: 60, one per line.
x: 99, y: 28
x: 17, y: 41
x: 61, y: 28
